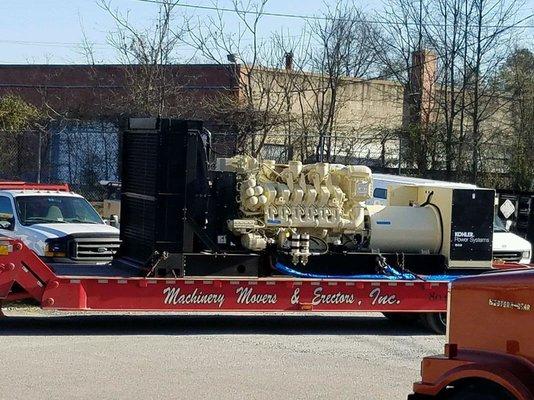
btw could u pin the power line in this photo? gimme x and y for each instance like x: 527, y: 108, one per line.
x: 270, y: 14
x: 102, y: 45
x: 503, y: 28
x: 321, y: 18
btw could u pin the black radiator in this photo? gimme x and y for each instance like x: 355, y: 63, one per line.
x: 164, y: 187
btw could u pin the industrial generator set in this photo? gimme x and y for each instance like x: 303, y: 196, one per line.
x: 187, y: 212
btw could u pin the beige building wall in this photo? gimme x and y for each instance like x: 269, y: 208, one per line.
x: 365, y: 110
x: 369, y: 112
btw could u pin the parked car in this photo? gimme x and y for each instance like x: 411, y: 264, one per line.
x: 58, y: 225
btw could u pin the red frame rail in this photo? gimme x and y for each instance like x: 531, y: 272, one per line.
x: 18, y: 264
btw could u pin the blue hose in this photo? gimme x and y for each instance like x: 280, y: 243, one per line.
x: 392, y: 275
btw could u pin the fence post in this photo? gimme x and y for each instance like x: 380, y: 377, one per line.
x: 39, y: 161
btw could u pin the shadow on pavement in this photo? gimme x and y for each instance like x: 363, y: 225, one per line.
x: 203, y: 325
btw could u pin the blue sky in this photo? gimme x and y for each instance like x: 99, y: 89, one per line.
x: 48, y: 31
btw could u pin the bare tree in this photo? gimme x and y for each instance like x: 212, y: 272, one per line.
x: 493, y: 20
x: 254, y: 105
x: 446, y: 33
x: 150, y: 87
x: 401, y: 49
x: 517, y: 81
x: 471, y: 39
x: 339, y: 47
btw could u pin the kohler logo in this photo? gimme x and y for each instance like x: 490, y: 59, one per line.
x: 464, y: 234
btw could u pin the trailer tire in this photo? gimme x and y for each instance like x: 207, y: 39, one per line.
x: 400, y: 317
x: 436, y: 322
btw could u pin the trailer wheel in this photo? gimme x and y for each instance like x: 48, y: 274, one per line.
x: 436, y: 322
x: 401, y: 317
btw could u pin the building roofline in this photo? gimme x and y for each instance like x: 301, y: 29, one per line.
x: 210, y: 65
x: 104, y: 65
x: 350, y: 79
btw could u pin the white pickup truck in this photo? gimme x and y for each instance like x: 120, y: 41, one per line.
x: 58, y: 225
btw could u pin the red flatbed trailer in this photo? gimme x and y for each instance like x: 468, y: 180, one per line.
x: 24, y: 271
x: 23, y: 275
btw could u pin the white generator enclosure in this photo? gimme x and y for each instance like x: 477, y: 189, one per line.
x: 413, y: 229
x: 465, y: 217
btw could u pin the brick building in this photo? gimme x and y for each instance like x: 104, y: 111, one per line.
x: 94, y: 97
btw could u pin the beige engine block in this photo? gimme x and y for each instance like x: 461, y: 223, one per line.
x: 283, y: 202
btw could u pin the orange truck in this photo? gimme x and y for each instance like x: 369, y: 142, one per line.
x: 490, y: 350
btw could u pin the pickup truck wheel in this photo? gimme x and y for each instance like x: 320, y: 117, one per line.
x: 436, y: 322
x: 400, y: 317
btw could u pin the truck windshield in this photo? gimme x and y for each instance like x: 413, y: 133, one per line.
x: 55, y: 209
x: 498, y: 225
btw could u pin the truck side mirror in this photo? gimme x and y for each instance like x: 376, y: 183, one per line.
x: 114, y: 220
x: 7, y: 224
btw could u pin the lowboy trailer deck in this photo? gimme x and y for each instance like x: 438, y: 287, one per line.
x: 23, y: 275
x: 105, y: 288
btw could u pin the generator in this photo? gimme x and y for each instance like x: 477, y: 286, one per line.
x: 464, y: 218
x: 186, y: 212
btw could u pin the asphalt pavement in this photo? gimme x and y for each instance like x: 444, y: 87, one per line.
x: 51, y: 356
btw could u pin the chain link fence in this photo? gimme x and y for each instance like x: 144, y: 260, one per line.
x: 79, y: 153
x: 85, y: 153
x: 362, y: 148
